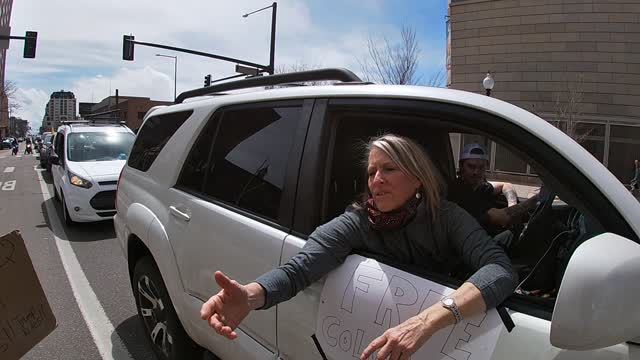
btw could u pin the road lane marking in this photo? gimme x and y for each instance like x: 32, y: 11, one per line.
x: 99, y: 325
x: 18, y: 155
x: 9, y: 185
x: 9, y: 169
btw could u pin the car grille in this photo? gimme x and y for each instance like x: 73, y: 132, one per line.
x: 107, y: 213
x: 112, y: 182
x: 104, y: 200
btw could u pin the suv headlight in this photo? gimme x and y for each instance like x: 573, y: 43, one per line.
x: 79, y: 181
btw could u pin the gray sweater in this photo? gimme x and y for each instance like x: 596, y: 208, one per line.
x: 455, y: 236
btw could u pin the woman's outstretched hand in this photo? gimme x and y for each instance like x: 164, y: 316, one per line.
x: 400, y: 342
x: 225, y: 310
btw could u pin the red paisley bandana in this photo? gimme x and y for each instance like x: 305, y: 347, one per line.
x: 394, y: 219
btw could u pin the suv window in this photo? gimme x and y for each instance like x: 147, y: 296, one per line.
x: 195, y: 168
x: 249, y: 159
x: 153, y: 136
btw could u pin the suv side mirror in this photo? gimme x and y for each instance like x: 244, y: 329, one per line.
x: 597, y: 304
x: 55, y: 160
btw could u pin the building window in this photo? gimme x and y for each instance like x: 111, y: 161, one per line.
x: 624, y: 148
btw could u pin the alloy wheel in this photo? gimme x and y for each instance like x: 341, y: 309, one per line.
x: 154, y: 315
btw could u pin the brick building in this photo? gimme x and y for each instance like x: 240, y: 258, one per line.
x: 131, y: 108
x: 547, y: 56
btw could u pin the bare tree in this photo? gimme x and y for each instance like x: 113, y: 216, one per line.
x: 9, y: 89
x: 300, y: 66
x: 568, y: 109
x: 393, y: 64
x: 437, y: 79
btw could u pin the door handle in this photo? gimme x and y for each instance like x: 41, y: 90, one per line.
x: 179, y: 214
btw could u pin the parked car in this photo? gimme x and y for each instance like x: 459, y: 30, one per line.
x: 85, y: 166
x: 6, y: 143
x: 45, y: 150
x: 238, y: 182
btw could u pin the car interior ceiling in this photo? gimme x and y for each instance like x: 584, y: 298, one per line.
x: 550, y: 239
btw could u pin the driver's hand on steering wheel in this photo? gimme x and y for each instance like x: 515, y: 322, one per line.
x: 498, y: 217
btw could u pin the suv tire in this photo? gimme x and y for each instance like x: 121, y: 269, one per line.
x: 165, y: 333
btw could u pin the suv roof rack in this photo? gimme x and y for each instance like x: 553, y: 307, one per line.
x: 104, y: 118
x: 70, y: 122
x: 343, y: 75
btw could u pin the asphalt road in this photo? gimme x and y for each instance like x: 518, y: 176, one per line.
x: 105, y: 326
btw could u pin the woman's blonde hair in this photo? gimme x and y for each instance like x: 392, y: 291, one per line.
x: 413, y: 160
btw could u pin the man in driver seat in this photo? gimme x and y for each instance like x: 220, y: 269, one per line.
x: 479, y: 197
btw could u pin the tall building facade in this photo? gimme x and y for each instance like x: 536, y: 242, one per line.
x: 61, y: 107
x: 575, y: 63
x: 5, y: 19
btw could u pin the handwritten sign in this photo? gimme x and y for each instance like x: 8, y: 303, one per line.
x: 25, y: 314
x: 363, y: 298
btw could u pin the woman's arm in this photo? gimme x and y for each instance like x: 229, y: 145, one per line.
x: 402, y: 341
x: 326, y: 248
x: 494, y: 275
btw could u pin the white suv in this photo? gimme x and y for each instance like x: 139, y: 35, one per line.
x: 85, y: 167
x: 237, y: 182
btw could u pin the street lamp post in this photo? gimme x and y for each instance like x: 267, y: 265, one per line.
x: 272, y: 52
x: 488, y: 83
x: 175, y: 73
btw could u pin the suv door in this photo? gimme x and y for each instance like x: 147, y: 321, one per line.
x: 233, y: 203
x: 329, y: 164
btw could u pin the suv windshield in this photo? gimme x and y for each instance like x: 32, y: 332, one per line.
x: 99, y: 146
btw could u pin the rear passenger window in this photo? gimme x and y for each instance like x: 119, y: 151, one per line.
x: 195, y: 168
x: 153, y: 136
x: 250, y: 156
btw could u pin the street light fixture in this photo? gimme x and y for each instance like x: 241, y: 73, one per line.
x: 175, y: 73
x: 272, y: 52
x: 488, y: 83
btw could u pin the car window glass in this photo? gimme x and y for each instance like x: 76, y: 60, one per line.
x: 250, y: 158
x: 153, y: 136
x: 540, y: 245
x: 99, y: 146
x: 542, y: 239
x: 60, y: 146
x: 195, y: 168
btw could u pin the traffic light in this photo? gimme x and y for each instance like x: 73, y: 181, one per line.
x: 30, y: 40
x: 127, y: 47
x: 207, y: 80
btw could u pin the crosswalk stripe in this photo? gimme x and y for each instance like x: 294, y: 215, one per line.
x: 9, y: 169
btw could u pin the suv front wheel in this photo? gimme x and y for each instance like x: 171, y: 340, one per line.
x: 164, y: 331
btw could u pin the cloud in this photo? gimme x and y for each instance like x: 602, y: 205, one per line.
x: 74, y: 47
x: 31, y: 106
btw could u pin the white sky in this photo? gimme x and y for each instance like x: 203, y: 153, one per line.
x: 80, y: 43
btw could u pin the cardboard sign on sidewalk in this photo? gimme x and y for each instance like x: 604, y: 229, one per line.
x: 25, y: 314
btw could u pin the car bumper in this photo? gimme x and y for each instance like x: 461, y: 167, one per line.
x: 88, y: 205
